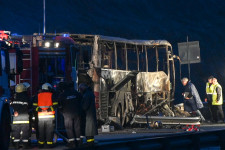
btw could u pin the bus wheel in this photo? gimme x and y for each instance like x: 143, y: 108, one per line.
x: 119, y: 114
x: 5, y: 129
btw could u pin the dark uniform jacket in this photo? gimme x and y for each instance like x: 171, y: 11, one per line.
x: 21, y: 104
x: 69, y: 102
x: 89, y: 111
x: 194, y: 102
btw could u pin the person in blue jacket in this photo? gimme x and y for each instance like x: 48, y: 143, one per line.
x: 192, y: 100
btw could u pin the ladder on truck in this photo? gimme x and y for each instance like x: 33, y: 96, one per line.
x: 26, y: 75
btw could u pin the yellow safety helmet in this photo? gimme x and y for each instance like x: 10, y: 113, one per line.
x: 20, y: 88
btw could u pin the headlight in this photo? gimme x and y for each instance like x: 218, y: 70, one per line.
x: 47, y: 44
x: 56, y: 45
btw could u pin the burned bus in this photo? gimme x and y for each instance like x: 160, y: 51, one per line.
x: 133, y: 80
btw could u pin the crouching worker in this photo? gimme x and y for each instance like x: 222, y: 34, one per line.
x: 192, y: 100
x: 46, y: 115
x: 21, y: 128
x: 69, y: 104
x: 88, y: 118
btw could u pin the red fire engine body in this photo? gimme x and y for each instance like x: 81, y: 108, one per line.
x: 45, y: 59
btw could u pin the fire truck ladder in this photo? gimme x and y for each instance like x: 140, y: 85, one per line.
x: 26, y: 75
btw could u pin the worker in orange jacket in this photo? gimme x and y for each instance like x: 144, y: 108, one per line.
x: 46, y: 115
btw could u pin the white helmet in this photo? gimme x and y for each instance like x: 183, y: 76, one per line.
x: 46, y: 86
x: 26, y: 84
x: 12, y: 83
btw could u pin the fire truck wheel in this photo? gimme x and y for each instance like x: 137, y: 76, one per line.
x: 119, y: 114
x: 5, y: 129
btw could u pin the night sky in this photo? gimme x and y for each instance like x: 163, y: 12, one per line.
x: 173, y: 20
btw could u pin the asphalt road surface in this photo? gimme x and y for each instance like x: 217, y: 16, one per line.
x: 126, y: 134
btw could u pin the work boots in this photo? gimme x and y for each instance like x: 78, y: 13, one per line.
x: 71, y: 144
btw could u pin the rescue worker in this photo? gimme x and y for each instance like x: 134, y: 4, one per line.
x: 88, y: 113
x: 69, y: 104
x: 209, y: 92
x: 21, y: 127
x: 217, y: 102
x: 192, y: 100
x: 46, y: 115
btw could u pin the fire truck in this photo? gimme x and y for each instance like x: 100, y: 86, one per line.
x: 133, y: 80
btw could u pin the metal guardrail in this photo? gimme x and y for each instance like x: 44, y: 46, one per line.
x: 187, y: 140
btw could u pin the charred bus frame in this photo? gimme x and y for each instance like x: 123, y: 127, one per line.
x: 125, y: 81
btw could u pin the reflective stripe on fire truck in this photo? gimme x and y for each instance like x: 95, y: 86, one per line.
x: 46, y: 116
x: 20, y: 122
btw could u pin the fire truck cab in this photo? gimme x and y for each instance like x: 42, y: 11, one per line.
x: 5, y: 115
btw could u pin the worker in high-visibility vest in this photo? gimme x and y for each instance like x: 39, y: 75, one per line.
x: 21, y: 127
x: 209, y: 92
x: 217, y: 102
x: 46, y: 115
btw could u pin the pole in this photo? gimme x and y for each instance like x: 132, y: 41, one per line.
x: 44, y: 17
x: 189, y: 67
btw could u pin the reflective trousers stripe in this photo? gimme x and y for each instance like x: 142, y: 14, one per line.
x: 49, y: 142
x: 24, y: 140
x: 90, y: 140
x: 16, y: 140
x: 39, y: 142
x: 70, y: 140
x: 20, y: 122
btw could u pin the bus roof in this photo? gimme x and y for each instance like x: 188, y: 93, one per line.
x: 135, y: 42
x: 90, y: 37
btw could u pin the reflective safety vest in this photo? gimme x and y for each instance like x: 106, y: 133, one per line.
x: 45, y: 102
x: 209, y: 89
x: 214, y: 96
